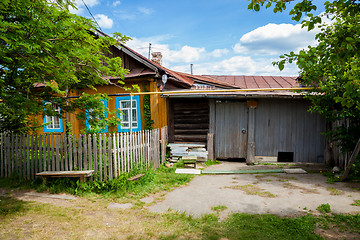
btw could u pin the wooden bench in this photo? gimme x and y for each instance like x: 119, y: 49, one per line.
x: 189, y: 160
x: 80, y: 174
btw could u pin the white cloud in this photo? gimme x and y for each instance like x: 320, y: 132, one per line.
x: 104, y: 21
x: 216, y: 62
x: 219, y: 52
x: 116, y: 3
x: 146, y: 11
x: 186, y: 54
x: 275, y: 39
x: 238, y: 65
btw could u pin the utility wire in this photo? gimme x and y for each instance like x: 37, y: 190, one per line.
x: 91, y: 15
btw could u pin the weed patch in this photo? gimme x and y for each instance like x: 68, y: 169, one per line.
x: 334, y: 191
x: 356, y: 203
x: 209, y: 162
x: 253, y: 190
x: 324, y: 208
x: 303, y: 190
x: 219, y: 208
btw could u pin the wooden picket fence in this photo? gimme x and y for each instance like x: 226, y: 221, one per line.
x: 108, y: 154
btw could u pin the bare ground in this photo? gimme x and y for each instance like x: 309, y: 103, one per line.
x: 90, y: 218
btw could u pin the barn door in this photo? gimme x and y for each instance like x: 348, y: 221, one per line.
x: 231, y: 129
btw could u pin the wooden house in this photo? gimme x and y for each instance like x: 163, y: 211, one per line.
x: 270, y: 125
x: 143, y: 72
x: 231, y: 124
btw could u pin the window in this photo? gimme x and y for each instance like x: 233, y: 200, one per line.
x: 105, y: 130
x: 129, y: 114
x: 53, y: 123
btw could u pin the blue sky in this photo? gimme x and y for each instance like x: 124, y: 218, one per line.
x: 220, y: 37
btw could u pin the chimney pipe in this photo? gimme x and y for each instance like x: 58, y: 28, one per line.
x: 191, y: 68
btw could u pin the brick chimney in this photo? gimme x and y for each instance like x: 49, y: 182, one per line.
x: 156, y: 57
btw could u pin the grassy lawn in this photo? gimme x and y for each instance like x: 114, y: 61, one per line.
x: 88, y: 217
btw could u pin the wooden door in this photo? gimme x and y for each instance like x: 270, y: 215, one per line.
x: 231, y: 119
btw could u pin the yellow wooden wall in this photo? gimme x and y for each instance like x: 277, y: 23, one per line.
x: 157, y: 105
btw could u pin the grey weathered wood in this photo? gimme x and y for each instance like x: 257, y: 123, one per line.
x: 250, y: 154
x: 110, y: 158
x: 121, y: 146
x: 287, y: 126
x: 85, y: 167
x: 81, y: 174
x: 28, y: 159
x: 95, y: 152
x: 100, y: 158
x: 80, y: 152
x: 231, y: 120
x: 52, y: 147
x: 75, y: 153
x: 351, y: 161
x: 127, y: 150
x: 114, y: 153
x: 57, y: 152
x: 89, y: 152
x: 212, y: 116
x: 210, y: 146
x: 104, y: 150
x: 68, y: 154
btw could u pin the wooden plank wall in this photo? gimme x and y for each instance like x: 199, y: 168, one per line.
x: 109, y: 155
x: 190, y: 120
x: 230, y: 119
x: 287, y: 126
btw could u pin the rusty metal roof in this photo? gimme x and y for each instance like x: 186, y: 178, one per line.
x: 251, y: 82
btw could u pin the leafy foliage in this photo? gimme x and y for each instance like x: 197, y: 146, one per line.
x: 324, y: 208
x: 332, y: 67
x: 147, y: 111
x: 45, y: 54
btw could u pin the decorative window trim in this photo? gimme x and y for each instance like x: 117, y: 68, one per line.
x: 120, y: 127
x: 104, y: 101
x: 48, y: 128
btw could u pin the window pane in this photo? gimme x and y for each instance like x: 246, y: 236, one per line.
x: 125, y: 125
x: 56, y: 122
x: 125, y: 115
x: 134, y: 104
x: 125, y: 104
x: 134, y: 124
x: 134, y: 116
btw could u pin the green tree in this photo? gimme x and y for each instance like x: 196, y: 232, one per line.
x: 43, y: 44
x: 333, y: 66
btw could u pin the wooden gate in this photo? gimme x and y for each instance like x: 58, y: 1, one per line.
x: 231, y: 122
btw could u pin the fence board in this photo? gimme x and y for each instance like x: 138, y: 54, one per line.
x: 95, y: 153
x: 36, y: 156
x: 89, y: 152
x: 85, y: 167
x: 110, y: 158
x: 109, y: 155
x: 100, y: 158
x: 28, y: 159
x: 104, y: 151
